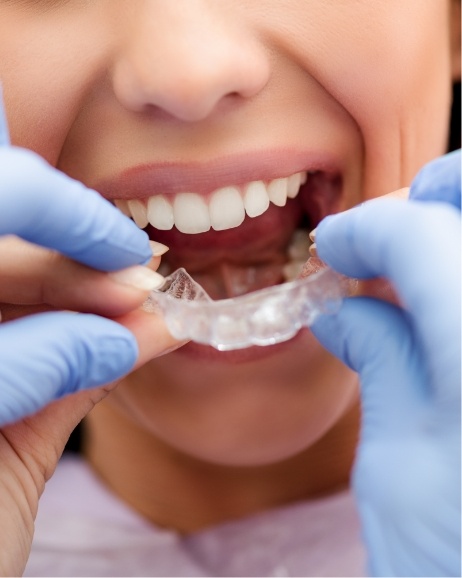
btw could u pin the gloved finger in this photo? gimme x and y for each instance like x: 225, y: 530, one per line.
x: 375, y: 339
x: 417, y: 247
x: 410, y: 510
x: 32, y: 275
x: 440, y: 180
x: 149, y: 329
x: 51, y: 355
x: 44, y: 206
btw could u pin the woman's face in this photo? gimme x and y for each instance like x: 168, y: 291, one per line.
x: 151, y: 99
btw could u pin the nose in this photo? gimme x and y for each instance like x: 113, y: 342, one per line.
x: 185, y: 59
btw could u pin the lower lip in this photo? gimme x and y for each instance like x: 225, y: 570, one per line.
x: 200, y: 352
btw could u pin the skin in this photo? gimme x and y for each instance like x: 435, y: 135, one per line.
x: 230, y: 439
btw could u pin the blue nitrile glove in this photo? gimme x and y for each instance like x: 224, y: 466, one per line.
x: 407, y: 475
x: 46, y: 356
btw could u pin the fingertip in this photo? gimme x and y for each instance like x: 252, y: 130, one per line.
x: 324, y: 329
x: 74, y: 220
x: 69, y: 351
x: 100, y: 236
x: 117, y: 359
x: 336, y: 240
x: 363, y: 331
x: 439, y: 180
x: 110, y: 349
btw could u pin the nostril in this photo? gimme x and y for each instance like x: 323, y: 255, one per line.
x: 189, y: 75
x: 191, y: 97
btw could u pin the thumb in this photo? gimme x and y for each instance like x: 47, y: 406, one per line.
x: 46, y: 356
x: 439, y: 181
x: 375, y: 339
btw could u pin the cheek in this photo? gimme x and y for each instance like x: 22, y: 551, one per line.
x: 398, y: 90
x: 387, y: 64
x: 46, y: 71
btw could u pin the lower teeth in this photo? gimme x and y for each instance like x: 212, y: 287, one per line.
x: 228, y: 280
x: 232, y: 281
x: 298, y: 253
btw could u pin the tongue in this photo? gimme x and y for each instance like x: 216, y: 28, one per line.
x: 235, y: 261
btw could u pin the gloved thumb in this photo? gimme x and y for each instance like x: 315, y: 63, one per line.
x: 53, y: 354
x: 439, y: 181
x: 374, y: 338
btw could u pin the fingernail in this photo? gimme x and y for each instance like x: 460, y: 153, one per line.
x: 138, y: 277
x: 158, y: 249
x: 312, y: 235
x: 313, y: 250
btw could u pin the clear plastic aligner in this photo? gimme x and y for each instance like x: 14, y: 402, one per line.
x: 264, y: 317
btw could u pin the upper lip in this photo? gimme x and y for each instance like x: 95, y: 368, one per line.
x: 145, y: 180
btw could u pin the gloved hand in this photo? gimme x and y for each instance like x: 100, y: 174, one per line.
x: 407, y: 475
x: 46, y: 356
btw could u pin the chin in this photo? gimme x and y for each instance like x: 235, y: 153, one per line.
x: 251, y: 413
x: 258, y: 439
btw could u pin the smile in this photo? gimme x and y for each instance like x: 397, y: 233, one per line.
x: 225, y: 208
x: 236, y: 225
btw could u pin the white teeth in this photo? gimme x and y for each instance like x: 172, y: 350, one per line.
x: 160, y: 213
x: 138, y: 211
x: 299, y: 248
x: 226, y: 209
x: 293, y: 185
x: 298, y: 253
x: 256, y: 199
x: 292, y: 270
x: 191, y: 213
x: 122, y: 205
x: 277, y: 192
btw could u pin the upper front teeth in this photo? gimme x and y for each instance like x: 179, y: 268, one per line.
x: 191, y: 213
x: 225, y: 208
x: 160, y: 212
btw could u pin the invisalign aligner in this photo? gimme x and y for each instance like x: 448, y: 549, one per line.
x: 263, y: 317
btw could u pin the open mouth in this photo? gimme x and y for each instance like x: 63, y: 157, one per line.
x: 239, y: 237
x: 236, y: 224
